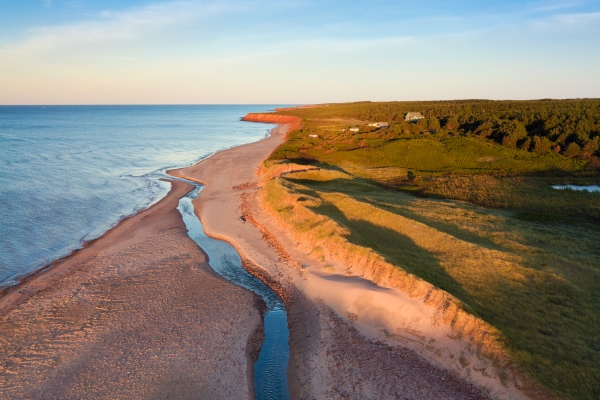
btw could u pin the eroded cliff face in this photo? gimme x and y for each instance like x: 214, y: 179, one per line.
x: 293, y: 122
x: 456, y: 339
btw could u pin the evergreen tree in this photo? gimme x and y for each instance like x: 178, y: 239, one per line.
x: 572, y: 150
x: 541, y: 144
x: 451, y: 123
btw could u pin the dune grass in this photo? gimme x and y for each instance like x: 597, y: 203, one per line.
x: 538, y: 284
x: 471, y: 216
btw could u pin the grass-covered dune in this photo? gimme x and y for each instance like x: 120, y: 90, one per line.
x: 473, y: 215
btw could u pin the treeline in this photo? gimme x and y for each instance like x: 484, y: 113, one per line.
x: 569, y: 127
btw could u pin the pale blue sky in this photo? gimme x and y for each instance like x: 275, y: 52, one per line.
x: 134, y: 51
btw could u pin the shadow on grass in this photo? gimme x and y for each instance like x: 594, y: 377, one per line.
x: 547, y: 323
x: 397, y: 249
x: 531, y: 198
x: 381, y: 198
x: 548, y: 316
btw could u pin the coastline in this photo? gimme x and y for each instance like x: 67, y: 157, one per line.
x: 31, y: 284
x: 135, y: 313
x: 329, y: 357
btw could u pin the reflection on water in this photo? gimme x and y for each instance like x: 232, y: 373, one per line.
x: 70, y: 173
x: 270, y: 371
x: 588, y: 188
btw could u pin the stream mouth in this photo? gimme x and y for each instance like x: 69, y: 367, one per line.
x: 270, y: 370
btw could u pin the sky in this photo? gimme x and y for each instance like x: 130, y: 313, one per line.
x: 296, y: 52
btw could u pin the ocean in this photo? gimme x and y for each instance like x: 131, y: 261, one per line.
x: 70, y: 173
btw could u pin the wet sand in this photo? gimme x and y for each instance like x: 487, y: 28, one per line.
x: 137, y: 313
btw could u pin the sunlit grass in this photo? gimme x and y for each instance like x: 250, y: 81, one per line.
x: 466, y: 214
x: 538, y: 284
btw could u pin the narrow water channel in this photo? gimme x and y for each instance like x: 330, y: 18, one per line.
x: 270, y: 370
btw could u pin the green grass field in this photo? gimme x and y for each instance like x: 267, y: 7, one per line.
x: 478, y: 220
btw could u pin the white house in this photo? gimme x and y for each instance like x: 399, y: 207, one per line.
x: 355, y: 129
x: 313, y: 136
x: 413, y: 116
x: 378, y: 124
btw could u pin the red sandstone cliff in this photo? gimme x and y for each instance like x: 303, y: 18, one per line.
x: 293, y: 122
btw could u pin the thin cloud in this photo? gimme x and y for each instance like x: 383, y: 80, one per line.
x: 577, y: 20
x: 113, y: 26
x: 548, y: 6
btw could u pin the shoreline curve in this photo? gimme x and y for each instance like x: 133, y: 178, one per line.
x: 131, y: 276
x: 230, y: 209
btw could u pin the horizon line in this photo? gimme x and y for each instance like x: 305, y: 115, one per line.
x: 291, y: 104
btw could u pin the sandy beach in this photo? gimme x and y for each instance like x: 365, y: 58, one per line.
x: 330, y: 357
x: 137, y: 313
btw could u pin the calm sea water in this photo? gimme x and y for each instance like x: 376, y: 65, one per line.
x: 69, y: 173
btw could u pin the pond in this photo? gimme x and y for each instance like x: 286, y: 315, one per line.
x: 588, y: 188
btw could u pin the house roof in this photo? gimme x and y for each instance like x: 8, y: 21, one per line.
x: 414, y: 114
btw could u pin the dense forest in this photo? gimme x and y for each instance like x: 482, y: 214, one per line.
x: 568, y: 127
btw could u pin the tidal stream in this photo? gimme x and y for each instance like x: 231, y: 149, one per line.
x: 270, y: 370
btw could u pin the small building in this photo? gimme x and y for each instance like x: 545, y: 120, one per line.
x: 413, y: 116
x: 313, y: 136
x: 378, y: 124
x: 354, y: 129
